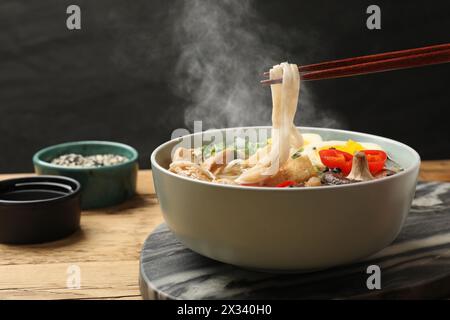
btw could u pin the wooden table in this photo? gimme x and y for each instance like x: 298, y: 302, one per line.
x: 106, y: 250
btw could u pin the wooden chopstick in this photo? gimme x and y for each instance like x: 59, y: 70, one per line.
x: 369, y: 58
x: 403, y: 59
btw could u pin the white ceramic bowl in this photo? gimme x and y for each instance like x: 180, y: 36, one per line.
x: 290, y: 229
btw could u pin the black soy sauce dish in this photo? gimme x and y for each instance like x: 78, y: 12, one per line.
x: 38, y: 209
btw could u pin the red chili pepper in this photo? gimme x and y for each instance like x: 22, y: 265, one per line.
x: 286, y: 183
x: 333, y: 158
x: 376, y: 160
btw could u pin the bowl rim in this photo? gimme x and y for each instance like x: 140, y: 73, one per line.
x: 39, y: 162
x: 76, y: 191
x: 413, y: 167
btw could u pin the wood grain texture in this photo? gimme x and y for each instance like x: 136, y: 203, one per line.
x: 435, y: 170
x: 106, y: 249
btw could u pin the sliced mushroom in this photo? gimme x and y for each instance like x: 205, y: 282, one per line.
x: 360, y: 168
x: 329, y: 178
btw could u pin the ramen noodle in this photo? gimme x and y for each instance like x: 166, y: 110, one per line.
x: 288, y: 158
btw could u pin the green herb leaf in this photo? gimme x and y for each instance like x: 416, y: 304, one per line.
x: 297, y: 154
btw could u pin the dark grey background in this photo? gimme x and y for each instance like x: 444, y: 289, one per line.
x: 112, y: 80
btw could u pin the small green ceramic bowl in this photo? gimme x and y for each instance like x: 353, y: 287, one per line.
x: 102, y: 186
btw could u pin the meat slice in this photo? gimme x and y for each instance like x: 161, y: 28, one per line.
x: 299, y: 170
x: 191, y: 170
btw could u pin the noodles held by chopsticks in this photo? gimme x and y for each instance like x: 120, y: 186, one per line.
x: 285, y: 160
x: 284, y: 133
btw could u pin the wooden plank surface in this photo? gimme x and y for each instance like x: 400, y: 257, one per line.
x: 106, y: 249
x: 435, y: 170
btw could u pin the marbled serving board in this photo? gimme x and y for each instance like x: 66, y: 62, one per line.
x: 416, y: 265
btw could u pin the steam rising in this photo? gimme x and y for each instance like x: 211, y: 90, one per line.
x: 224, y: 47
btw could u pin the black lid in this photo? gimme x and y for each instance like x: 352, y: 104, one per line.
x: 38, y: 209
